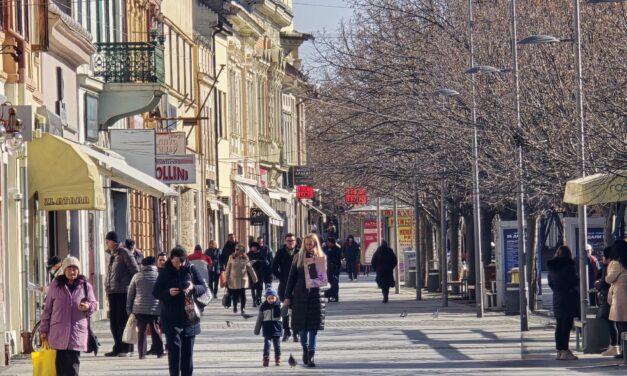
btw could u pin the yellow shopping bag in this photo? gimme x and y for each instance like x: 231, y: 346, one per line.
x: 44, y: 361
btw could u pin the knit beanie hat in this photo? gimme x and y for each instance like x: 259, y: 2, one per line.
x: 71, y: 261
x: 111, y: 235
x: 271, y: 292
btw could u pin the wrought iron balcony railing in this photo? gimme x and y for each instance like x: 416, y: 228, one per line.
x: 130, y: 62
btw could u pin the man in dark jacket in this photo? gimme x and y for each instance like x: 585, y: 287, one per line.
x: 266, y: 253
x: 137, y: 254
x: 227, y: 251
x: 334, y: 263
x: 281, y: 266
x: 121, y: 269
x: 175, y: 280
x: 352, y: 254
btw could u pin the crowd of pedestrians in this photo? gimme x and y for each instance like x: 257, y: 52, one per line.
x: 610, y: 295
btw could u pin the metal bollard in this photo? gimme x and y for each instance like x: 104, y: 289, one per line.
x: 624, y: 347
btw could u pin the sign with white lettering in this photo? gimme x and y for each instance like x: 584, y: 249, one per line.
x: 176, y: 169
x: 172, y: 143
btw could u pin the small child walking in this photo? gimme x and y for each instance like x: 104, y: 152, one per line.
x: 270, y: 324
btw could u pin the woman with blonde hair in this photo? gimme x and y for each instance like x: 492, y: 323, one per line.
x: 238, y: 272
x: 307, y: 314
x: 214, y: 273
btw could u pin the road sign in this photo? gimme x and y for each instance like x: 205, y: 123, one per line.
x: 258, y: 217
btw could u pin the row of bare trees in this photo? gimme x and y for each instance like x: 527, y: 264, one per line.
x: 374, y: 121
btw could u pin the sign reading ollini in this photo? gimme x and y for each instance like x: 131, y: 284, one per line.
x: 302, y: 175
x: 258, y: 217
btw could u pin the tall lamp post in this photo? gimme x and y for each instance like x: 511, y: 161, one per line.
x: 445, y: 93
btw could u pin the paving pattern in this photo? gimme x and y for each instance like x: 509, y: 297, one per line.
x: 367, y: 337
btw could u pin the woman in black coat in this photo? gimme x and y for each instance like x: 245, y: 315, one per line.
x: 564, y: 282
x: 176, y: 279
x: 383, y: 262
x: 307, y: 313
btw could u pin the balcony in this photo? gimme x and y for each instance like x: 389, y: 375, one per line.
x: 131, y: 62
x: 134, y: 79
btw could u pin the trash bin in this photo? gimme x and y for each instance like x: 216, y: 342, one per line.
x: 512, y: 299
x: 596, y: 336
x: 411, y: 278
x: 433, y: 280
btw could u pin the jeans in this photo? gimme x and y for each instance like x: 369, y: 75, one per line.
x: 180, y: 354
x: 238, y: 295
x: 150, y: 321
x: 334, y: 281
x: 67, y: 362
x: 308, y: 339
x: 117, y: 322
x: 386, y: 292
x: 256, y: 291
x: 276, y: 342
x: 214, y: 282
x: 563, y: 327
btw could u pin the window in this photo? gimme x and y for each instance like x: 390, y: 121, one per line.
x: 91, y: 117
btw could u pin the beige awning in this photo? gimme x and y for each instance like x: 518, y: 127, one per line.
x: 597, y: 189
x: 128, y: 176
x: 62, y: 176
x: 251, y: 192
x: 311, y: 207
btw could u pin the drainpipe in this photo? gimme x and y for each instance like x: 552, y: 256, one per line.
x: 26, y: 244
x: 216, y: 111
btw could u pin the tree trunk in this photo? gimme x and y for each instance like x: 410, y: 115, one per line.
x: 469, y: 240
x: 454, y: 242
x: 424, y: 250
x: 532, y: 259
x: 487, y: 216
x: 610, y: 220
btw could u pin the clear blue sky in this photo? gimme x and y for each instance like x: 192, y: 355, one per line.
x: 316, y: 17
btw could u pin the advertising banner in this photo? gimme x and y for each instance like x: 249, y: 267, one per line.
x: 370, y: 239
x: 356, y: 196
x: 176, y: 169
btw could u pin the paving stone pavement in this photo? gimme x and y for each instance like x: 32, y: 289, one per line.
x: 365, y: 336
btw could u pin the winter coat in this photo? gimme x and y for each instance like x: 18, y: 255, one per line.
x: 140, y: 300
x: 64, y: 324
x: 202, y: 263
x: 238, y: 271
x: 281, y: 266
x: 564, y: 282
x: 260, y: 262
x: 173, y: 318
x: 351, y: 252
x: 307, y: 312
x: 603, y: 289
x: 138, y: 256
x: 227, y: 251
x: 617, y: 295
x: 383, y: 262
x: 121, y: 269
x: 214, y: 254
x: 269, y: 320
x: 334, y: 259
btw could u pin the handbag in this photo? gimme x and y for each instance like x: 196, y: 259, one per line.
x: 92, y: 340
x: 222, y: 279
x: 130, y: 330
x: 192, y: 312
x: 44, y: 361
x: 226, y: 300
x: 204, y: 299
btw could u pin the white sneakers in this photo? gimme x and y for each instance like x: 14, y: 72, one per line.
x: 565, y: 355
x: 611, y: 351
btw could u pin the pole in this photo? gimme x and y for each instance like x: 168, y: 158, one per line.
x: 418, y: 253
x: 520, y: 204
x: 443, y: 257
x: 397, y: 284
x: 583, y: 225
x: 26, y: 245
x: 378, y: 221
x: 475, y: 174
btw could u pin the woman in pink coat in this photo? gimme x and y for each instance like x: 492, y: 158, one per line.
x: 64, y: 322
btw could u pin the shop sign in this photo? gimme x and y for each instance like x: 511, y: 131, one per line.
x: 258, y: 217
x: 304, y: 192
x: 171, y: 143
x: 302, y: 175
x: 176, y: 169
x: 356, y: 196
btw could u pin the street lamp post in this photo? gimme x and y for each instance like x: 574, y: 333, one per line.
x: 475, y: 180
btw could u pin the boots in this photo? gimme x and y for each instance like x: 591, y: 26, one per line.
x: 305, y: 356
x: 311, y: 363
x: 266, y: 360
x: 277, y: 361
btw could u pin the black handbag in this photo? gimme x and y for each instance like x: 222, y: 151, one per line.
x: 226, y: 300
x: 92, y: 340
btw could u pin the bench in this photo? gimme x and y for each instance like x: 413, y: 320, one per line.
x: 463, y: 286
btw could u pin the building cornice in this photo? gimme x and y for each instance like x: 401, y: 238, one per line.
x: 68, y: 39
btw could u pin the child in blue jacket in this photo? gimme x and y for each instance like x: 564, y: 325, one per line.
x: 269, y: 322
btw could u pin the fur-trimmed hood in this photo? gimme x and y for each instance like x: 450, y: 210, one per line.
x: 560, y: 262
